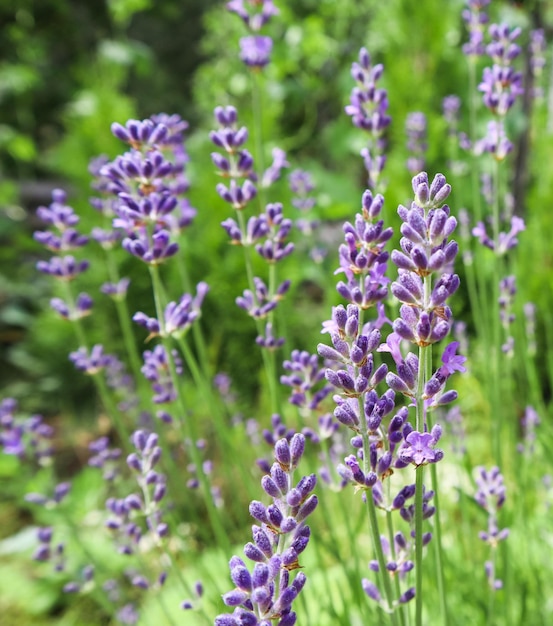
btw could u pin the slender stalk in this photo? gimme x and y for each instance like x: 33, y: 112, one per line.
x: 267, y: 355
x: 124, y: 317
x: 98, y: 378
x: 425, y: 356
x: 439, y: 553
x: 257, y: 109
x: 419, y: 485
x: 491, y: 595
x: 497, y: 421
x: 373, y: 520
x: 199, y: 340
x: 438, y: 547
x: 420, y: 425
x: 403, y: 610
x: 188, y: 426
x: 473, y: 98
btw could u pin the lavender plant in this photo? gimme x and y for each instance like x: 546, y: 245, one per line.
x: 139, y: 520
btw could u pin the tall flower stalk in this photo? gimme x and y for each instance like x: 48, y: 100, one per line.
x: 280, y: 535
x: 266, y: 233
x: 425, y: 319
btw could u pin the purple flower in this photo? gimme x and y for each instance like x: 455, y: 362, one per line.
x: 152, y: 250
x: 451, y: 106
x: 268, y: 340
x: 178, y: 316
x: 278, y: 539
x: 368, y: 104
x: 490, y: 495
x: 273, y: 172
x: 275, y: 248
x: 419, y: 448
x: 81, y: 308
x: 141, y: 134
x: 104, y: 458
x: 118, y: 290
x: 506, y: 240
x: 260, y: 303
x: 237, y: 195
x: 301, y: 185
x: 91, y: 362
x: 476, y: 19
x: 500, y: 86
x: 255, y: 51
x: 254, y: 13
x: 156, y: 369
x: 368, y: 109
x: 452, y: 362
x: 305, y: 376
x: 64, y: 268
x: 417, y: 145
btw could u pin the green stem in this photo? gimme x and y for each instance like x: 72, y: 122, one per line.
x: 497, y: 420
x: 187, y: 425
x: 439, y: 553
x: 425, y: 356
x: 373, y: 520
x: 267, y: 355
x: 124, y: 317
x: 98, y: 378
x: 257, y: 108
x: 197, y: 334
x: 419, y: 485
x: 403, y: 610
x: 475, y: 170
x: 491, y: 598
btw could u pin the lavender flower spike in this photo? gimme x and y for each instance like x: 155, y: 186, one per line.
x: 266, y: 593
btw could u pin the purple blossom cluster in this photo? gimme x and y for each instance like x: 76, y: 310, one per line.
x: 60, y: 492
x: 255, y: 49
x: 47, y: 552
x: 266, y: 594
x: 362, y: 257
x: 507, y: 292
x: 137, y: 514
x: 425, y: 317
x: 105, y: 458
x: 157, y: 370
x: 528, y: 423
x: 178, y: 316
x: 302, y: 187
x: 537, y: 50
x: 398, y: 562
x: 63, y: 239
x: 490, y: 495
x: 384, y: 439
x: 304, y: 378
x: 475, y: 18
x: 144, y: 188
x: 505, y: 240
x: 267, y: 232
x: 368, y: 109
x: 501, y: 85
x: 27, y: 438
x: 417, y: 143
x: 237, y: 164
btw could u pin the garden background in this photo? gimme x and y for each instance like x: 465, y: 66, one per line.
x: 68, y: 70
